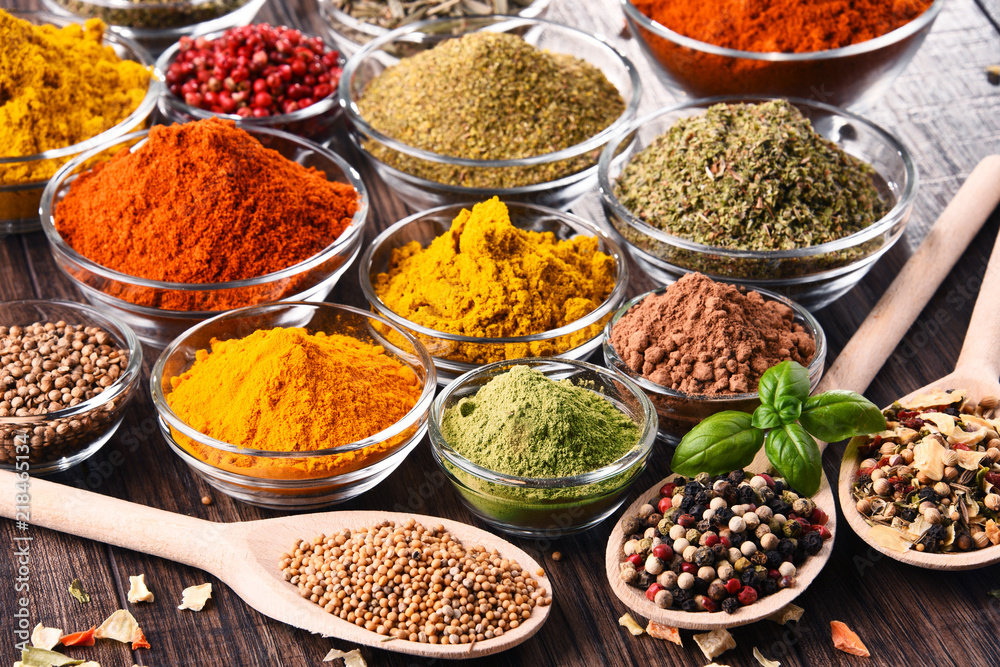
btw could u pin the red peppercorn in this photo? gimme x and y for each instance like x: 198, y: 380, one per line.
x: 707, y: 603
x: 733, y: 586
x: 768, y: 479
x: 686, y: 521
x: 689, y: 567
x: 667, y: 490
x: 748, y: 595
x: 711, y: 540
x: 823, y: 532
x: 635, y: 559
x: 818, y: 517
x: 725, y: 541
x: 663, y: 505
x: 663, y: 551
x: 262, y: 101
x: 651, y: 592
x: 773, y: 574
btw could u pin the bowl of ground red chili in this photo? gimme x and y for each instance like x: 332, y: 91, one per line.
x: 288, y: 83
x: 189, y: 220
x: 844, y: 53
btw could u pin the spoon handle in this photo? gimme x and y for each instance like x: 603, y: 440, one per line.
x: 863, y: 356
x: 981, y: 350
x: 144, y: 529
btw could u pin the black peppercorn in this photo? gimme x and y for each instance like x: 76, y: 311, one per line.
x: 681, y: 596
x: 745, y: 494
x: 697, y: 511
x: 927, y: 493
x: 774, y: 558
x: 725, y: 514
x: 687, y: 502
x: 759, y: 558
x: 812, y: 542
x: 779, y: 487
x: 692, y: 488
x: 906, y: 513
x: 645, y: 579
x: 736, y: 539
x: 768, y: 586
x: 736, y: 476
x: 730, y: 605
x: 750, y: 578
x: 766, y: 494
x: 689, y: 605
x: 677, y: 566
x: 702, y: 498
x: 720, y: 550
x: 786, y: 547
x: 704, y: 556
x: 703, y: 526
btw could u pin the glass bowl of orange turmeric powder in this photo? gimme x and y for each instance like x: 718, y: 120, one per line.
x: 281, y: 227
x: 293, y: 405
x: 493, y: 281
x: 119, y: 100
x: 843, y: 53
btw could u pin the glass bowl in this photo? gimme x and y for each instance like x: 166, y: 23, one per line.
x: 421, y: 193
x: 679, y: 412
x: 19, y: 202
x: 315, y: 122
x: 852, y: 76
x: 286, y: 485
x: 160, y: 311
x: 55, y: 441
x: 157, y: 25
x: 814, y: 276
x: 455, y: 354
x: 351, y: 34
x: 546, y: 507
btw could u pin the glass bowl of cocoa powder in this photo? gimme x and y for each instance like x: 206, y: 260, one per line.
x: 699, y: 385
x: 67, y: 373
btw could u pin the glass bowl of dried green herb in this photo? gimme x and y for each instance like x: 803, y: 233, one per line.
x: 793, y: 196
x: 456, y: 110
x: 579, y: 436
x: 849, y: 65
x: 354, y: 23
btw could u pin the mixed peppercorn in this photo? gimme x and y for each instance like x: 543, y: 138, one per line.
x: 930, y: 481
x: 255, y: 70
x: 720, y: 542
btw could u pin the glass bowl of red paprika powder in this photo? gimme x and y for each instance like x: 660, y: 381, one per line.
x: 297, y: 479
x: 849, y: 76
x: 20, y: 192
x: 158, y: 310
x: 314, y: 121
x: 559, y: 189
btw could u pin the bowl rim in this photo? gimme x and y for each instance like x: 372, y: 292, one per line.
x: 113, y: 133
x: 354, y: 230
x: 409, y: 420
x: 328, y: 103
x: 618, y: 365
x: 899, y: 34
x: 904, y: 201
x: 129, y: 376
x: 637, y: 454
x: 614, y: 249
x: 532, y: 10
x: 474, y: 24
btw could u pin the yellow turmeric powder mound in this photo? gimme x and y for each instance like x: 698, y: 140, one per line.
x: 59, y: 87
x: 487, y: 278
x: 287, y: 390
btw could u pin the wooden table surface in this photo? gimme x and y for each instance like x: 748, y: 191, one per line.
x: 942, y: 107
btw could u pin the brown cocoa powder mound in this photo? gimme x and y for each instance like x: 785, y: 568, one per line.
x: 704, y: 337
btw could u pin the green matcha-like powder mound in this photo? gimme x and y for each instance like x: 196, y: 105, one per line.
x: 524, y: 424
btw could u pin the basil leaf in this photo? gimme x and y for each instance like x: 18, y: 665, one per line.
x: 788, y: 378
x: 835, y: 415
x: 789, y: 408
x: 795, y: 454
x: 765, y: 416
x: 722, y: 443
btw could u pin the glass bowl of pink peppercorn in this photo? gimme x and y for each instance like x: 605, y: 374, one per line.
x: 257, y: 76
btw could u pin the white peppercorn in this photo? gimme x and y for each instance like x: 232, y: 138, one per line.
x: 685, y: 581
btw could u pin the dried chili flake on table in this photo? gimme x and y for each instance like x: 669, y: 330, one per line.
x: 82, y: 638
x: 846, y: 640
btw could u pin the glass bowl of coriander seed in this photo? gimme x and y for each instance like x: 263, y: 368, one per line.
x: 354, y: 23
x: 806, y: 198
x: 67, y: 372
x: 414, y: 99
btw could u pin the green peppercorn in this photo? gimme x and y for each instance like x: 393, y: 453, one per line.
x: 663, y: 528
x: 759, y: 558
x: 693, y: 535
x: 803, y: 507
x: 644, y: 546
x: 741, y: 565
x: 791, y: 528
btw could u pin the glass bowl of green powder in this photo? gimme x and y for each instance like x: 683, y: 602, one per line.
x: 796, y: 197
x: 456, y: 110
x: 542, y: 447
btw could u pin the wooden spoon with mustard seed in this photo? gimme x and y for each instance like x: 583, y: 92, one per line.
x: 854, y: 369
x: 977, y: 372
x: 246, y: 555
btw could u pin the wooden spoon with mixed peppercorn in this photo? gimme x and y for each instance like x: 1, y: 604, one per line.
x: 854, y: 369
x: 941, y: 456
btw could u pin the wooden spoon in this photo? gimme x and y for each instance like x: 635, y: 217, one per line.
x: 854, y: 369
x: 977, y: 372
x: 245, y: 555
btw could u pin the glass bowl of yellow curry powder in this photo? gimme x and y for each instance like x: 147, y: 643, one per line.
x: 460, y: 109
x: 75, y: 86
x: 293, y: 405
x: 540, y: 447
x: 493, y: 281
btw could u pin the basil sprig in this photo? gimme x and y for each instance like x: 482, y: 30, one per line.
x: 787, y: 423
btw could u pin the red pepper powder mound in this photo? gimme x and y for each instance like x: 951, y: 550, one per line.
x: 202, y: 202
x: 704, y: 337
x: 784, y: 26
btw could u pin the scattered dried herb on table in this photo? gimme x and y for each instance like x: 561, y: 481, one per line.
x: 489, y: 96
x: 930, y: 480
x: 390, y: 14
